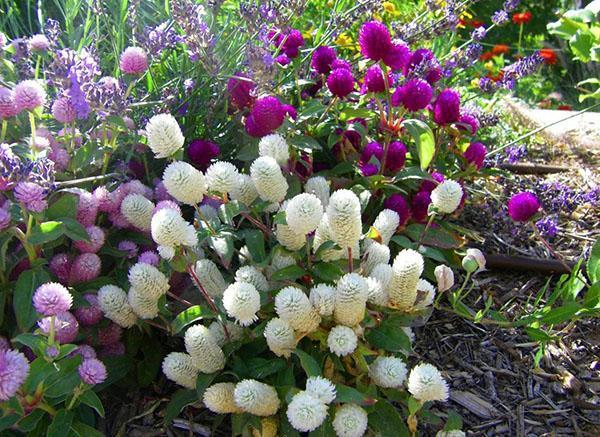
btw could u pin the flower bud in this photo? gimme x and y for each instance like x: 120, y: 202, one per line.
x: 445, y: 278
x: 474, y: 261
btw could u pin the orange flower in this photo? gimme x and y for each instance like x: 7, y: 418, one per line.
x: 565, y: 107
x: 486, y: 56
x: 522, y: 18
x: 500, y: 49
x: 496, y: 77
x: 549, y: 56
x: 476, y: 23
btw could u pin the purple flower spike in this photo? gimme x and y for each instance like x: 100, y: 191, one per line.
x: 523, y: 206
x: 52, y: 298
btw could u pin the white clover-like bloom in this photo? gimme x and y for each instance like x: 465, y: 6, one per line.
x: 218, y: 398
x: 388, y: 372
x: 178, y: 367
x: 275, y: 146
x: 304, y: 212
x: 164, y: 135
x: 351, y: 297
x: 166, y: 252
x: 426, y: 383
x: 377, y: 293
x: 376, y: 253
x: 170, y: 229
x: 138, y: 211
x: 113, y: 303
x: 409, y: 333
x: 252, y: 275
x: 244, y: 190
x: 147, y: 279
x: 184, y: 182
x: 350, y: 421
x: 451, y: 433
x: 201, y: 345
x: 210, y: 277
x: 306, y: 412
x: 427, y: 290
x: 447, y: 196
x: 321, y: 388
x: 386, y: 223
x: 343, y: 215
x: 407, y: 269
x: 242, y: 301
x: 256, y: 398
x: 280, y: 337
x: 144, y: 306
x: 281, y: 261
x: 293, y: 306
x: 289, y: 238
x: 322, y: 298
x: 268, y: 179
x: 383, y: 273
x: 222, y: 177
x: 322, y: 235
x: 445, y: 277
x: 236, y: 332
x: 342, y: 340
x: 318, y: 186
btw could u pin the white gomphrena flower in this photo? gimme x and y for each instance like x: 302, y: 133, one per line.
x: 350, y: 421
x: 426, y: 383
x: 210, y: 277
x: 322, y: 298
x: 218, y: 398
x: 222, y: 177
x: 252, y: 275
x: 149, y: 280
x: 322, y: 388
x: 164, y: 135
x: 178, y: 367
x: 383, y: 273
x: 407, y: 269
x: 256, y: 398
x: 242, y: 301
x: 447, y: 196
x: 451, y: 433
x: 236, y: 332
x: 201, y: 345
x: 244, y: 190
x: 275, y: 146
x: 169, y: 229
x: 427, y: 289
x: 377, y: 293
x: 388, y: 372
x: 293, y: 306
x: 306, y: 412
x: 303, y: 213
x: 289, y: 238
x: 351, y: 297
x: 113, y: 303
x: 280, y: 337
x: 281, y: 261
x: 322, y: 235
x: 138, y: 211
x: 268, y: 179
x: 342, y: 340
x: 386, y: 223
x: 318, y: 186
x: 376, y: 253
x: 184, y: 182
x: 144, y: 306
x: 343, y: 216
x: 409, y: 333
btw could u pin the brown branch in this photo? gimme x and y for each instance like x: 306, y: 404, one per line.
x: 534, y: 168
x: 523, y: 263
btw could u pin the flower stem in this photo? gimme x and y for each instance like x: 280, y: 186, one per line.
x: 520, y: 39
x: 51, y: 334
x: 4, y: 127
x: 331, y: 103
x: 427, y: 226
x: 32, y: 124
x: 350, y: 260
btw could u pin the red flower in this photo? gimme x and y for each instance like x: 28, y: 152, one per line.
x: 522, y: 18
x: 476, y: 23
x: 486, y: 56
x: 564, y: 107
x: 500, y: 49
x: 549, y: 56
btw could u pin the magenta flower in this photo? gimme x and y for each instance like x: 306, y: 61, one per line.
x: 373, y: 81
x: 4, y: 343
x: 468, y: 122
x: 414, y: 95
x: 87, y: 207
x: 396, y: 156
x: 475, y: 154
x: 424, y: 56
x: 52, y: 298
x: 341, y: 63
x: 103, y: 199
x: 8, y: 108
x: 266, y: 116
x: 66, y: 327
x: 14, y: 369
x: 340, y: 82
x: 523, y: 206
x: 322, y: 58
x: 290, y: 43
x: 96, y: 242
x: 201, y: 152
x: 374, y: 40
x: 60, y: 157
x: 428, y: 185
x: 133, y: 61
x: 149, y: 257
x: 60, y: 266
x: 92, y: 371
x: 446, y: 108
x: 241, y: 91
x: 420, y: 205
x: 372, y: 149
x: 89, y: 315
x: 29, y: 94
x: 85, y: 267
x: 63, y: 111
x: 31, y: 195
x: 368, y: 169
x: 397, y: 57
x: 283, y: 60
x: 396, y: 202
x: 109, y: 335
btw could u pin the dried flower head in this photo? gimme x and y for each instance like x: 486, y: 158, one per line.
x: 114, y: 304
x: 219, y: 398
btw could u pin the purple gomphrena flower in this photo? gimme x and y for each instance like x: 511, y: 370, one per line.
x: 39, y: 43
x: 66, y: 327
x: 341, y: 63
x: 290, y: 111
x: 475, y: 154
x: 96, y: 242
x: 87, y: 208
x: 420, y: 205
x: 547, y: 226
x: 373, y: 149
x: 92, y: 371
x: 129, y: 247
x: 85, y: 350
x: 290, y: 43
x: 149, y: 257
x: 201, y: 152
x: 266, y: 116
x: 133, y: 61
x: 63, y: 111
x: 113, y: 350
x: 109, y: 335
x: 396, y: 156
x: 398, y: 204
x: 340, y: 82
x: 52, y: 298
x: 322, y: 58
x: 160, y: 191
x: 60, y: 157
x: 29, y: 94
x: 397, y: 57
x: 60, y: 266
x: 375, y: 41
x: 446, y: 108
x: 89, y: 315
x: 241, y: 91
x: 470, y: 122
x: 85, y: 267
x: 166, y: 204
x: 8, y: 108
x: 283, y: 60
x: 368, y: 169
x: 31, y: 195
x: 414, y: 95
x: 14, y: 369
x: 5, y: 219
x: 374, y: 82
x: 523, y: 206
x: 428, y: 185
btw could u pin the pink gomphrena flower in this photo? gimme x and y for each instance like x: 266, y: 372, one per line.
x: 266, y: 116
x: 523, y: 206
x: 85, y: 267
x: 29, y: 95
x: 341, y: 63
x: 322, y: 58
x: 14, y: 369
x: 398, y: 56
x: 340, y: 82
x: 372, y: 149
x: 39, y: 43
x: 149, y: 257
x: 60, y: 157
x: 52, y: 298
x: 290, y: 43
x: 428, y: 185
x: 160, y: 191
x: 446, y: 108
x: 475, y: 154
x: 129, y: 247
x: 201, y: 152
x: 87, y: 207
x: 103, y: 198
x: 60, y: 266
x: 113, y: 350
x: 4, y: 343
x: 118, y: 220
x: 368, y: 169
x: 8, y: 108
x: 66, y: 327
x: 96, y: 242
x: 396, y: 157
x: 468, y: 122
x: 420, y: 205
x: 91, y: 314
x: 31, y: 195
x: 375, y: 41
x: 396, y: 202
x: 133, y: 61
x: 241, y: 91
x: 415, y: 95
x: 137, y: 187
x: 166, y: 204
x: 63, y: 110
x: 92, y: 371
x: 109, y: 335
x: 373, y: 81
x: 5, y: 219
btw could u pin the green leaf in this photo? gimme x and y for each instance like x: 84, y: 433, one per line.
x: 290, y: 273
x: 437, y: 237
x: 186, y: 317
x: 85, y: 430
x: 26, y: 285
x: 91, y: 399
x: 255, y: 241
x: 389, y: 336
x: 74, y: 230
x: 61, y: 424
x: 203, y: 381
x: 308, y: 363
x: 581, y: 44
x: 179, y: 400
x: 327, y: 271
x: 345, y: 394
x: 64, y: 206
x: 386, y: 420
x: 261, y: 367
x: 29, y: 422
x: 538, y: 334
x: 305, y: 143
x: 325, y: 430
x: 561, y: 314
x: 424, y: 140
x: 228, y: 211
x: 593, y: 263
x: 46, y: 232
x: 454, y: 421
x: 8, y: 421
